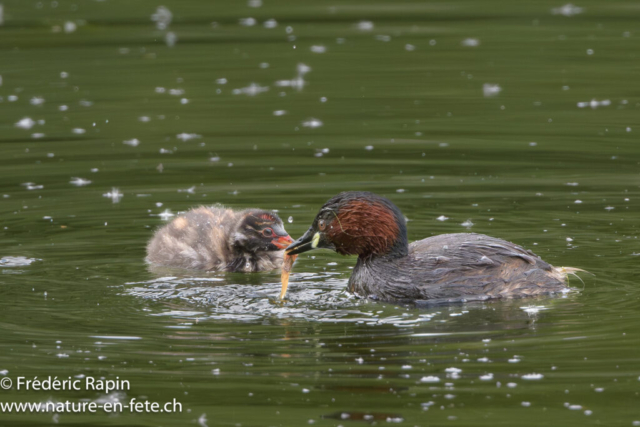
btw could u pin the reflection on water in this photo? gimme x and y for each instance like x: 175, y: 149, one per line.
x: 496, y: 117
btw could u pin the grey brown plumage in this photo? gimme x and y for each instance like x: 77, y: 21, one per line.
x: 215, y: 238
x: 448, y: 267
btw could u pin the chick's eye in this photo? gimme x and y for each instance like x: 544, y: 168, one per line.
x: 267, y: 232
x: 322, y: 225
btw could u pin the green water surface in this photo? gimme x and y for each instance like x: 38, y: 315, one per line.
x: 517, y: 116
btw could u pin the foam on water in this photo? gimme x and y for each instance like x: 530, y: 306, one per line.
x: 319, y: 297
x: 16, y: 261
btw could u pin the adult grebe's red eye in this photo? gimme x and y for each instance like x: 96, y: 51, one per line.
x: 322, y: 225
x: 267, y: 232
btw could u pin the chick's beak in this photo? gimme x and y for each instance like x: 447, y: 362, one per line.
x: 282, y: 242
x: 305, y: 243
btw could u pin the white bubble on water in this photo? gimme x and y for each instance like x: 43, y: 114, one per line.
x: 252, y: 90
x: 247, y: 22
x: 467, y: 224
x: 270, y: 23
x: 79, y: 181
x: 442, y: 218
x: 37, y: 100
x: 254, y: 3
x: 312, y: 123
x: 533, y: 309
x: 171, y: 39
x: 298, y: 82
x: 567, y: 10
x: 162, y: 17
x: 78, y: 131
x: 279, y: 112
x: 318, y: 49
x: 532, y: 377
x: 132, y: 142
x: 430, y: 379
x: 369, y: 147
x: 184, y: 137
x: 25, y: 123
x: 487, y: 377
x: 594, y: 103
x: 290, y: 219
x: 409, y: 47
x: 166, y: 215
x: 70, y: 27
x: 364, y: 25
x: 490, y: 90
x: 115, y: 195
x: 190, y: 190
x: 32, y: 186
x: 470, y: 42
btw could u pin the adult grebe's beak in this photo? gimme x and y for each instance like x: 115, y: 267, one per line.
x: 312, y: 239
x: 303, y: 244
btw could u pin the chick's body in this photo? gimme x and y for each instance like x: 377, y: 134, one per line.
x: 215, y: 238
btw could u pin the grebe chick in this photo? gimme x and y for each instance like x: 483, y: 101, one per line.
x: 440, y: 269
x: 219, y: 239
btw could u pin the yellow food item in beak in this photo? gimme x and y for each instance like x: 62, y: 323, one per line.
x: 287, y: 264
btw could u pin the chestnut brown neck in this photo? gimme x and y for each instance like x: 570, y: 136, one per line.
x: 368, y: 225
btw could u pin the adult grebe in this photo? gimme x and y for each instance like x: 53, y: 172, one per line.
x: 446, y: 268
